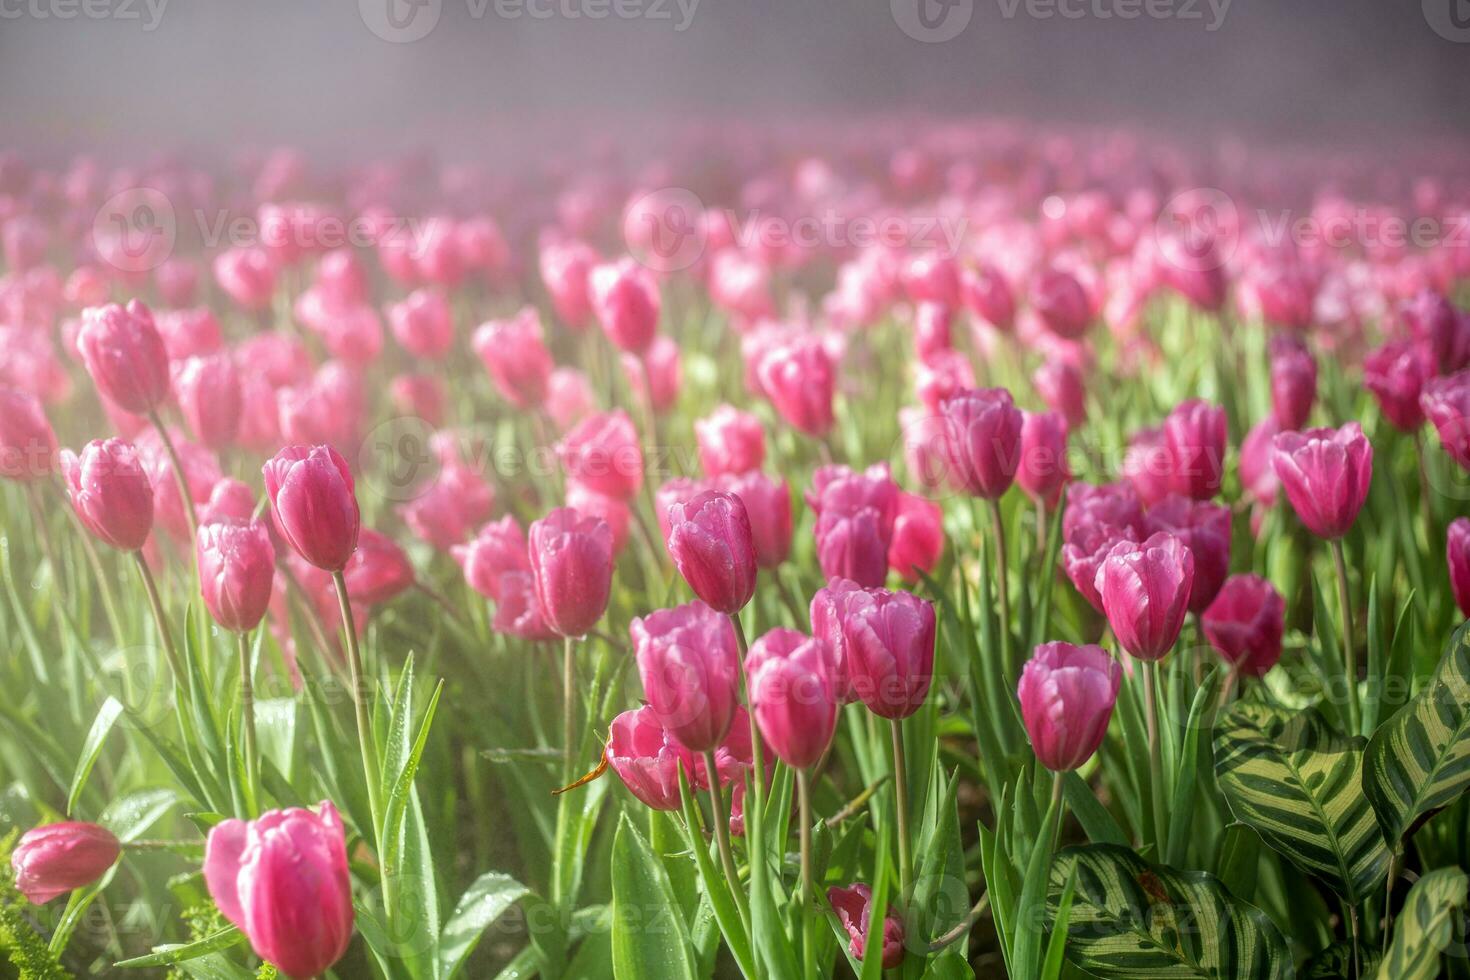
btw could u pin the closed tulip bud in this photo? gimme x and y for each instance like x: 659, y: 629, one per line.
x: 125, y: 356
x: 1084, y: 553
x: 379, y: 570
x: 518, y: 611
x: 647, y: 758
x: 768, y: 505
x: 655, y: 376
x: 1194, y: 437
x: 1145, y: 593
x: 208, y: 391
x: 247, y: 276
x: 794, y: 695
x: 565, y: 269
x: 282, y: 880
x: 689, y: 660
x: 571, y: 567
x: 1204, y: 528
x: 1059, y: 383
x: 1293, y: 383
x: 1434, y: 323
x: 1067, y: 695
x: 341, y: 277
x: 1062, y: 303
x: 603, y: 454
x: 516, y: 357
x: 1245, y: 623
x: 889, y: 646
x: 711, y: 543
x: 1111, y: 506
x: 933, y: 277
x: 1043, y: 467
x: 423, y: 324
x: 1325, y: 473
x: 800, y: 379
x: 988, y: 294
x: 499, y: 547
x: 941, y: 377
x: 932, y: 332
x: 853, y: 908
x: 27, y: 442
x: 110, y: 492
x: 56, y: 858
x: 569, y: 397
x: 236, y: 566
x: 1146, y: 465
x: 625, y: 298
x: 983, y: 441
x: 1257, y: 474
x: 229, y: 499
x: 1457, y: 555
x: 855, y: 517
x: 730, y: 441
x: 918, y: 537
x: 421, y: 396
x: 1446, y: 403
x: 1396, y: 373
x: 189, y: 333
x: 314, y: 504
x: 611, y: 510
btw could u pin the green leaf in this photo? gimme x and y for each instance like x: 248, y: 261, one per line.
x: 1298, y: 784
x: 1181, y: 813
x: 1418, y: 761
x: 486, y: 900
x: 1425, y: 926
x: 170, y: 954
x: 1134, y: 920
x: 130, y: 816
x: 649, y: 940
x: 91, y: 748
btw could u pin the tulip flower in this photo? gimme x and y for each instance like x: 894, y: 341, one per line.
x: 800, y: 379
x: 110, y: 492
x: 932, y: 330
x: 939, y: 378
x: 1204, y: 528
x: 569, y: 397
x: 768, y: 505
x: 1043, y: 462
x: 208, y: 391
x: 918, y: 537
x: 498, y: 548
x: 1062, y: 303
x: 282, y: 880
x: 421, y: 396
x: 1396, y: 374
x: 625, y: 298
x: 1145, y: 589
x: 516, y: 358
x: 518, y: 611
x: 571, y: 566
x: 1194, y: 438
x: 647, y: 758
x: 27, y: 442
x: 1435, y: 324
x: 53, y: 859
x: 931, y: 276
x: 855, y: 516
x: 1060, y: 386
x: 236, y: 567
x: 730, y: 441
x: 603, y: 454
x: 1446, y: 403
x: 1245, y: 623
x: 1457, y: 555
x: 177, y: 280
x: 614, y: 512
x: 379, y: 570
x: 1084, y: 553
x: 1325, y: 474
x: 793, y: 693
x: 423, y: 324
x: 889, y: 645
x: 983, y: 440
x: 852, y: 905
x: 925, y: 450
x: 689, y: 660
x: 1067, y: 695
x: 247, y: 276
x: 655, y: 376
x: 313, y: 503
x: 1293, y: 382
x: 1257, y: 450
x: 988, y: 295
x: 125, y: 356
x: 565, y: 268
x: 710, y: 540
x: 1146, y: 465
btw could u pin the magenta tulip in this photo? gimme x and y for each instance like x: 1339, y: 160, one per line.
x: 983, y: 441
x: 647, y: 757
x: 1435, y: 324
x: 1245, y: 623
x: 571, y: 567
x: 1111, y: 506
x: 125, y: 356
x: 689, y: 660
x: 1446, y: 403
x: 1257, y: 473
x: 236, y: 566
x: 1067, y: 695
x: 110, y: 492
x: 518, y: 611
x: 855, y: 516
x: 53, y: 859
x: 603, y: 454
x: 932, y: 333
x: 1457, y: 555
x: 1293, y: 382
x: 889, y: 647
x: 1194, y: 438
x: 27, y: 441
x: 1325, y: 473
x: 516, y: 358
x: 1062, y: 303
x: 313, y: 503
x: 794, y: 695
x: 282, y: 880
x: 1396, y: 374
x: 1146, y: 465
x: 1204, y: 528
x: 988, y: 295
x: 378, y: 571
x: 498, y: 548
x: 1060, y: 385
x: 710, y: 540
x: 800, y: 379
x: 1043, y: 467
x: 423, y: 324
x: 1145, y: 593
x: 730, y: 441
x: 625, y: 298
x: 918, y: 537
x: 853, y: 908
x: 768, y: 505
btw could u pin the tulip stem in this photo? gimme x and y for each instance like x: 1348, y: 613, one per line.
x: 1002, y: 589
x: 901, y: 792
x: 43, y: 533
x: 808, y: 886
x: 1155, y: 758
x: 720, y: 825
x: 569, y: 705
x: 170, y: 651
x: 365, y: 741
x: 1349, y: 652
x: 247, y: 716
x: 179, y: 477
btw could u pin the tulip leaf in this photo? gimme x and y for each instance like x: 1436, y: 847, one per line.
x: 1298, y: 783
x: 170, y: 954
x: 1418, y: 761
x: 130, y: 816
x: 649, y: 938
x: 1425, y: 926
x: 486, y: 900
x: 1134, y: 920
x: 92, y: 748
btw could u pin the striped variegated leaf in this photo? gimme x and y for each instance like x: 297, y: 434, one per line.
x: 1425, y: 926
x: 1133, y: 920
x: 1299, y: 785
x: 1419, y: 760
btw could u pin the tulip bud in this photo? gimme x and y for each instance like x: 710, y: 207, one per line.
x: 855, y: 516
x: 56, y: 858
x: 710, y: 541
x: 1245, y: 622
x: 27, y: 442
x: 852, y: 905
x: 1059, y: 383
x: 1434, y: 323
x: 313, y: 503
x: 499, y: 547
x: 565, y: 269
x: 689, y: 660
x: 933, y: 277
x: 983, y: 441
x: 945, y: 374
x: 571, y: 567
x: 516, y: 357
x: 208, y: 390
x: 178, y: 282
x: 125, y: 356
x: 800, y: 379
x: 518, y: 611
x: 655, y: 377
x: 988, y: 294
x: 1145, y: 593
x: 1293, y: 383
x: 647, y: 757
x: 768, y: 505
x: 1326, y: 474
x: 1446, y: 403
x: 1457, y: 555
x: 378, y: 571
x: 110, y: 492
x: 1062, y: 303
x: 918, y: 537
x: 1194, y: 438
x: 236, y: 566
x: 189, y: 333
x: 932, y: 330
x: 1257, y: 475
x: 888, y: 643
x: 247, y: 276
x: 1204, y: 528
x: 423, y: 324
x: 419, y: 395
x: 282, y: 880
x: 1146, y: 465
x: 614, y: 512
x: 793, y: 693
x: 626, y: 301
x: 1043, y: 467
x: 569, y: 397
x: 602, y: 453
x: 1067, y: 695
x: 730, y: 441
x: 1396, y: 373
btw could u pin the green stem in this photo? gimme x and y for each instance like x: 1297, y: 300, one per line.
x: 721, y: 821
x: 109, y: 604
x: 1155, y: 758
x: 365, y: 741
x: 170, y: 651
x: 901, y: 792
x: 1002, y: 589
x: 1349, y: 651
x: 569, y: 706
x: 808, y: 884
x: 43, y: 533
x: 178, y: 468
x: 247, y: 715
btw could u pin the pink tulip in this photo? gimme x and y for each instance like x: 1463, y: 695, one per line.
x: 1457, y: 556
x: 1257, y: 474
x: 793, y: 693
x: 421, y: 396
x: 689, y: 660
x: 1433, y: 322
x: 855, y: 517
x: 571, y: 567
x: 1067, y: 695
x: 626, y: 300
x: 208, y: 391
x: 853, y: 908
x: 178, y: 282
x: 247, y: 276
x: 945, y: 374
x: 887, y: 641
x: 800, y: 379
x: 201, y: 472
x: 932, y: 276
x: 647, y: 758
x: 603, y: 454
x: 341, y: 277
x: 1326, y: 474
x: 932, y: 332
x: 282, y: 880
x: 1059, y: 383
x: 1145, y: 593
x: 313, y: 503
x: 988, y: 295
x: 518, y: 611
x: 378, y: 571
x: 1293, y: 382
x: 983, y: 441
x: 1446, y: 403
x: 1062, y: 303
x: 925, y: 450
x: 918, y: 537
x: 730, y: 441
x: 1245, y: 623
x: 768, y: 505
x: 51, y: 860
x: 565, y: 270
x: 444, y: 514
x: 1111, y: 506
x: 27, y: 442
x: 1204, y: 528
x: 1146, y: 465
x: 498, y: 548
x: 229, y: 499
x: 236, y: 566
x: 569, y: 397
x: 1043, y: 467
x: 655, y: 376
x: 611, y: 510
x: 125, y: 356
x: 189, y: 333
x: 1396, y: 374
x: 710, y: 541
x: 516, y: 357
x: 110, y: 492
x: 422, y: 324
x: 1194, y: 438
